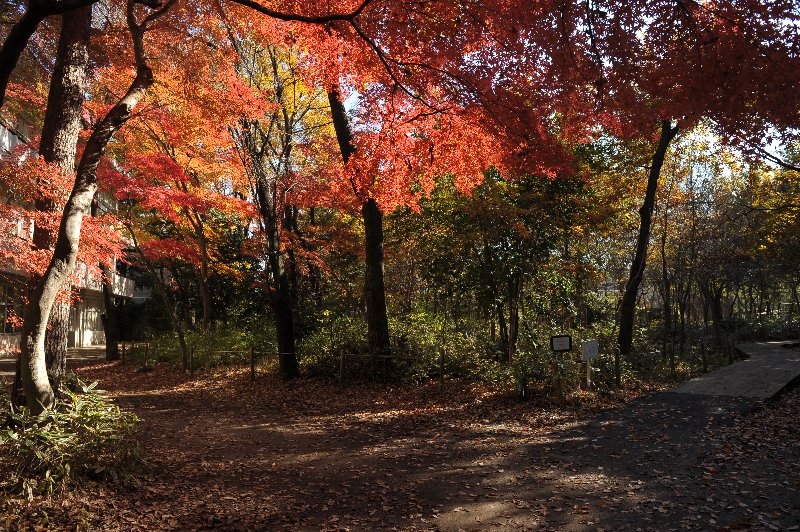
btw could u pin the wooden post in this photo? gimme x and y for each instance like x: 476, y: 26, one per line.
x: 341, y: 367
x: 191, y: 362
x: 588, y: 374
x: 729, y: 348
x: 146, y: 352
x: 252, y: 365
x: 705, y: 359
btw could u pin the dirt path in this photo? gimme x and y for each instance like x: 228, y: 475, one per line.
x: 305, y: 456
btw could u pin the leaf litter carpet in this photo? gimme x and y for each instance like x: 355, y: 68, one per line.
x: 221, y: 455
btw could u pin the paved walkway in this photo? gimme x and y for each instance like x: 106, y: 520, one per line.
x: 671, y: 460
x: 768, y: 371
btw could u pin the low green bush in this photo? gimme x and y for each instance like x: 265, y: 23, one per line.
x: 84, y: 437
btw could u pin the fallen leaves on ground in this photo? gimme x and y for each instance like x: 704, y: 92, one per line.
x: 222, y: 454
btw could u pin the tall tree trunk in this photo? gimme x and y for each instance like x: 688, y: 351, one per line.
x: 492, y: 327
x: 111, y: 315
x: 168, y: 301
x: 666, y: 294
x: 38, y: 392
x: 289, y: 224
x: 55, y: 342
x: 281, y: 297
x: 375, y: 291
x: 628, y: 307
x: 60, y: 133
x: 313, y: 271
x: 712, y: 297
x: 62, y: 120
x: 284, y: 320
x: 374, y: 287
x: 202, y: 278
x: 514, y: 295
x: 501, y: 322
x: 682, y: 318
x: 716, y: 315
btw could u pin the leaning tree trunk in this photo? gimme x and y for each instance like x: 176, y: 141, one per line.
x: 38, y: 392
x: 60, y: 133
x: 628, y: 307
x: 374, y: 287
x: 17, y: 39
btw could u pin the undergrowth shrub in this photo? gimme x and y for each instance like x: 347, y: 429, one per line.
x: 320, y: 350
x: 555, y: 374
x: 420, y: 352
x: 84, y: 437
x: 218, y: 346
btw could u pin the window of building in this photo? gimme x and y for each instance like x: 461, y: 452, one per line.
x: 10, y: 306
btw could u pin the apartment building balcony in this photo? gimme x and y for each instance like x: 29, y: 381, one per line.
x: 121, y: 286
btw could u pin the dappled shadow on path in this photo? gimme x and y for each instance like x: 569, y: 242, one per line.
x: 305, y: 456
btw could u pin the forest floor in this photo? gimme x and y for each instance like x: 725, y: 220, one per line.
x: 221, y: 454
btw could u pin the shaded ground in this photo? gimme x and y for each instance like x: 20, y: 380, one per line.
x: 77, y: 357
x: 226, y: 456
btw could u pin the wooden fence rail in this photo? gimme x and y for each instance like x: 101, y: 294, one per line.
x: 251, y: 353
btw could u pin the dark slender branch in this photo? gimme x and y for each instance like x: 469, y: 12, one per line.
x: 771, y: 157
x: 385, y: 62
x: 777, y: 208
x: 152, y: 4
x: 777, y: 160
x: 155, y: 14
x: 58, y: 8
x: 295, y: 17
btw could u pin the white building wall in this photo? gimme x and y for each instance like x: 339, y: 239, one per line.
x: 85, y: 321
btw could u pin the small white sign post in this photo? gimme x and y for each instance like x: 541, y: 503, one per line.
x: 561, y: 343
x: 589, y: 350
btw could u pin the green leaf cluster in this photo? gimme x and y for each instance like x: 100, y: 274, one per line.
x: 84, y: 437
